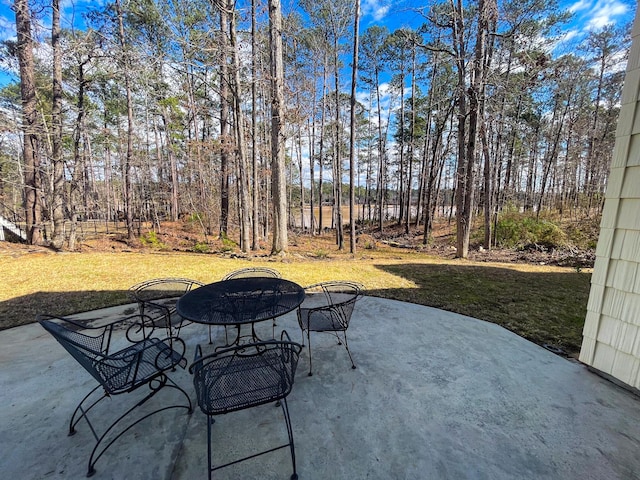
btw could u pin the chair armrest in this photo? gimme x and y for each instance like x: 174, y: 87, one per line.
x: 138, y: 327
x: 177, y: 345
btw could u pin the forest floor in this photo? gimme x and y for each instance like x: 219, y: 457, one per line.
x: 443, y: 241
x: 185, y: 237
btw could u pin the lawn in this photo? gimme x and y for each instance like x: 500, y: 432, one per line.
x: 544, y: 304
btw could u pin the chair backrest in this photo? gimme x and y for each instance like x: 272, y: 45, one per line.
x: 336, y: 292
x: 246, y: 375
x: 251, y: 272
x: 159, y: 288
x: 86, y: 349
x: 157, y: 297
x: 330, y: 304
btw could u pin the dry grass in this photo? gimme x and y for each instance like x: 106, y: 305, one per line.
x: 542, y: 303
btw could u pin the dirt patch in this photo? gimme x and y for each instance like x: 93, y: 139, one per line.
x: 19, y: 249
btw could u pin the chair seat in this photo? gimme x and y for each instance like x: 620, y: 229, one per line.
x: 237, y: 382
x: 156, y: 356
x: 168, y: 305
x: 319, y: 321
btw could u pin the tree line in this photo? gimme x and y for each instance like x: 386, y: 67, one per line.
x: 242, y: 117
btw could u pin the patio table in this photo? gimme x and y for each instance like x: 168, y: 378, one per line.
x: 240, y: 301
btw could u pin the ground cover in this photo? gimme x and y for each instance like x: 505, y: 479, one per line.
x: 536, y: 299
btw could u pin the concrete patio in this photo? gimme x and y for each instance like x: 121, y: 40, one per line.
x: 436, y: 396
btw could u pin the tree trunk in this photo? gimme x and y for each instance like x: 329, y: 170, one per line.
x: 337, y: 160
x: 352, y: 126
x: 57, y: 239
x: 321, y: 151
x: 78, y: 159
x: 381, y: 157
x: 400, y: 201
x: 224, y: 125
x: 487, y: 186
x: 464, y: 173
x: 30, y: 153
x: 278, y: 180
x: 410, y: 153
x: 128, y: 208
x: 241, y: 149
x: 255, y: 233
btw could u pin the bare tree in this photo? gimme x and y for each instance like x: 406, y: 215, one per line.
x: 352, y: 126
x: 254, y: 131
x: 224, y: 121
x: 279, y: 190
x: 126, y: 71
x: 30, y: 152
x: 241, y: 149
x: 470, y: 113
x: 57, y: 240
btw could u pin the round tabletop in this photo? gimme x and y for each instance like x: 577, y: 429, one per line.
x: 240, y: 300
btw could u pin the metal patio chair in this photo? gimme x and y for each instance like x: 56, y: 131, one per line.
x: 144, y: 361
x: 242, y: 377
x: 327, y: 307
x: 157, y: 299
x: 251, y: 272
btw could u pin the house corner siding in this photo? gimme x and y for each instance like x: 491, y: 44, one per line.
x: 611, y: 334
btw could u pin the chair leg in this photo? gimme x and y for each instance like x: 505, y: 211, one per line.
x: 99, y: 449
x: 285, y: 410
x: 346, y: 345
x: 74, y: 421
x: 210, y: 422
x: 287, y: 419
x: 309, y: 347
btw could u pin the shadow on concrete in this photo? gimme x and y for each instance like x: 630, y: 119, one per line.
x: 547, y: 308
x: 23, y: 310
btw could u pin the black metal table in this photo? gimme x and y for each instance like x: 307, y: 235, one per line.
x: 240, y: 301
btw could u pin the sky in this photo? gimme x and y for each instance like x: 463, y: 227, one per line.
x: 588, y: 15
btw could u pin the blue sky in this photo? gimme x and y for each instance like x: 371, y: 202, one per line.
x: 588, y: 15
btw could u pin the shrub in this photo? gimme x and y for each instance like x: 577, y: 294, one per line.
x: 584, y: 233
x: 228, y: 244
x: 150, y: 239
x: 200, y: 247
x: 195, y: 217
x: 515, y: 230
x: 367, y: 242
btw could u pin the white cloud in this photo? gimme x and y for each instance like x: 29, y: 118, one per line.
x: 363, y: 98
x: 604, y: 12
x: 377, y: 9
x: 570, y: 35
x: 381, y: 12
x: 7, y: 28
x: 385, y: 91
x: 579, y: 5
